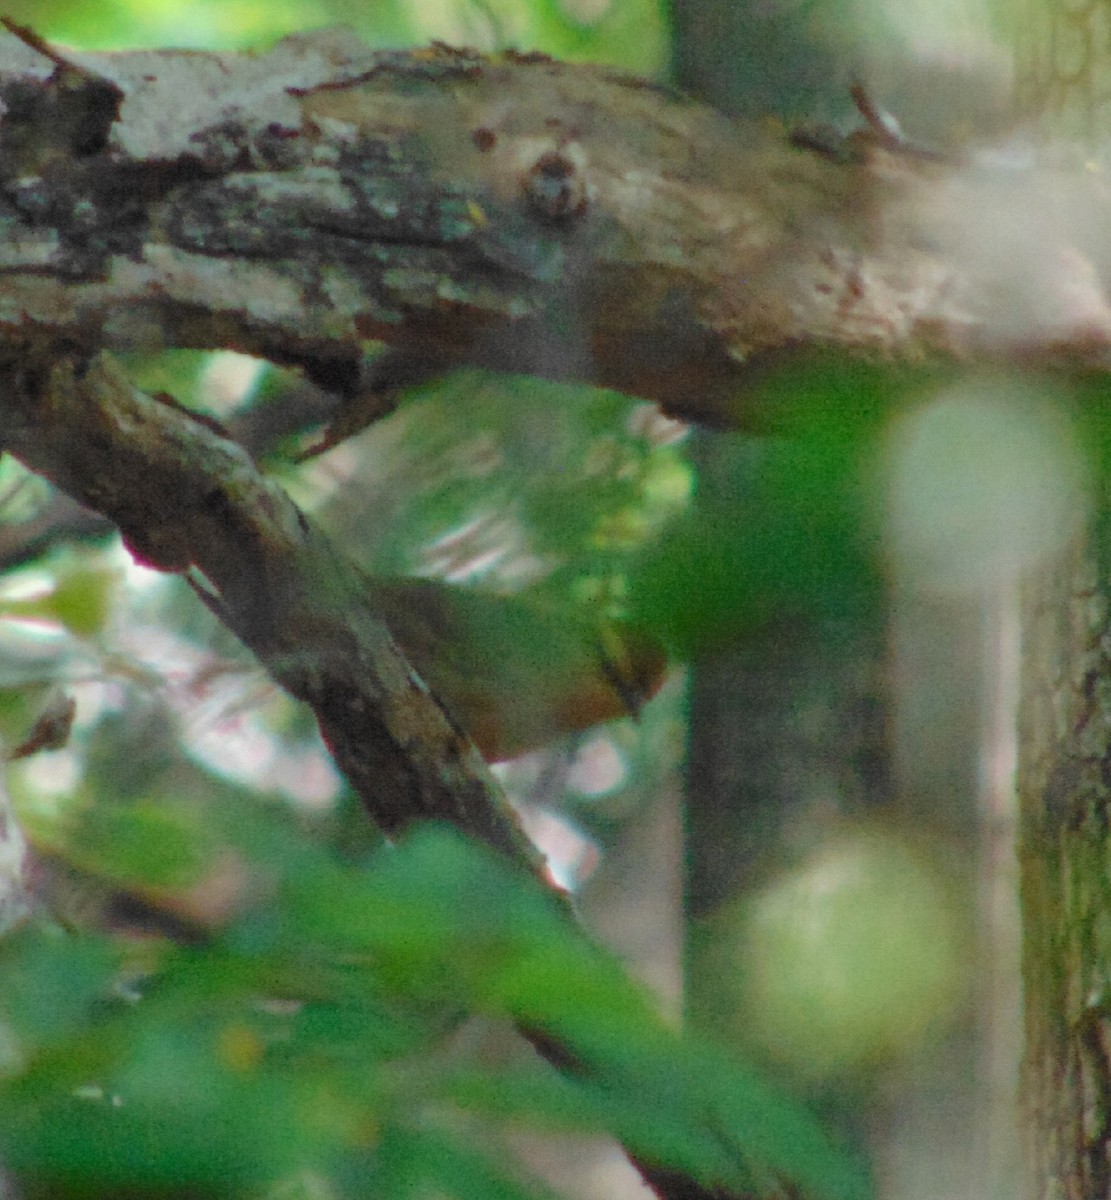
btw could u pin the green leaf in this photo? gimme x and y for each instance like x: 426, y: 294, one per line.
x: 434, y: 1163
x: 51, y: 983
x: 363, y: 973
x: 673, y: 1100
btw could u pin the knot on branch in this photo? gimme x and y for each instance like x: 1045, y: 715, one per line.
x: 555, y: 188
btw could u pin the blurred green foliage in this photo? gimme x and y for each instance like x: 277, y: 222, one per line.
x: 789, y: 537
x: 629, y: 33
x: 510, y: 481
x: 314, y: 1033
x: 854, y: 957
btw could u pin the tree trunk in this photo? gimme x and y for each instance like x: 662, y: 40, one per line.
x: 1065, y: 865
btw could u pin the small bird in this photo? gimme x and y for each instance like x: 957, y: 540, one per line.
x: 518, y: 671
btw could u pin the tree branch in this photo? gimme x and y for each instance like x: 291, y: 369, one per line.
x: 512, y: 212
x: 189, y: 500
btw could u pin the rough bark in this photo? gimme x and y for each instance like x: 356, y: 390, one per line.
x: 1065, y: 866
x: 564, y: 220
